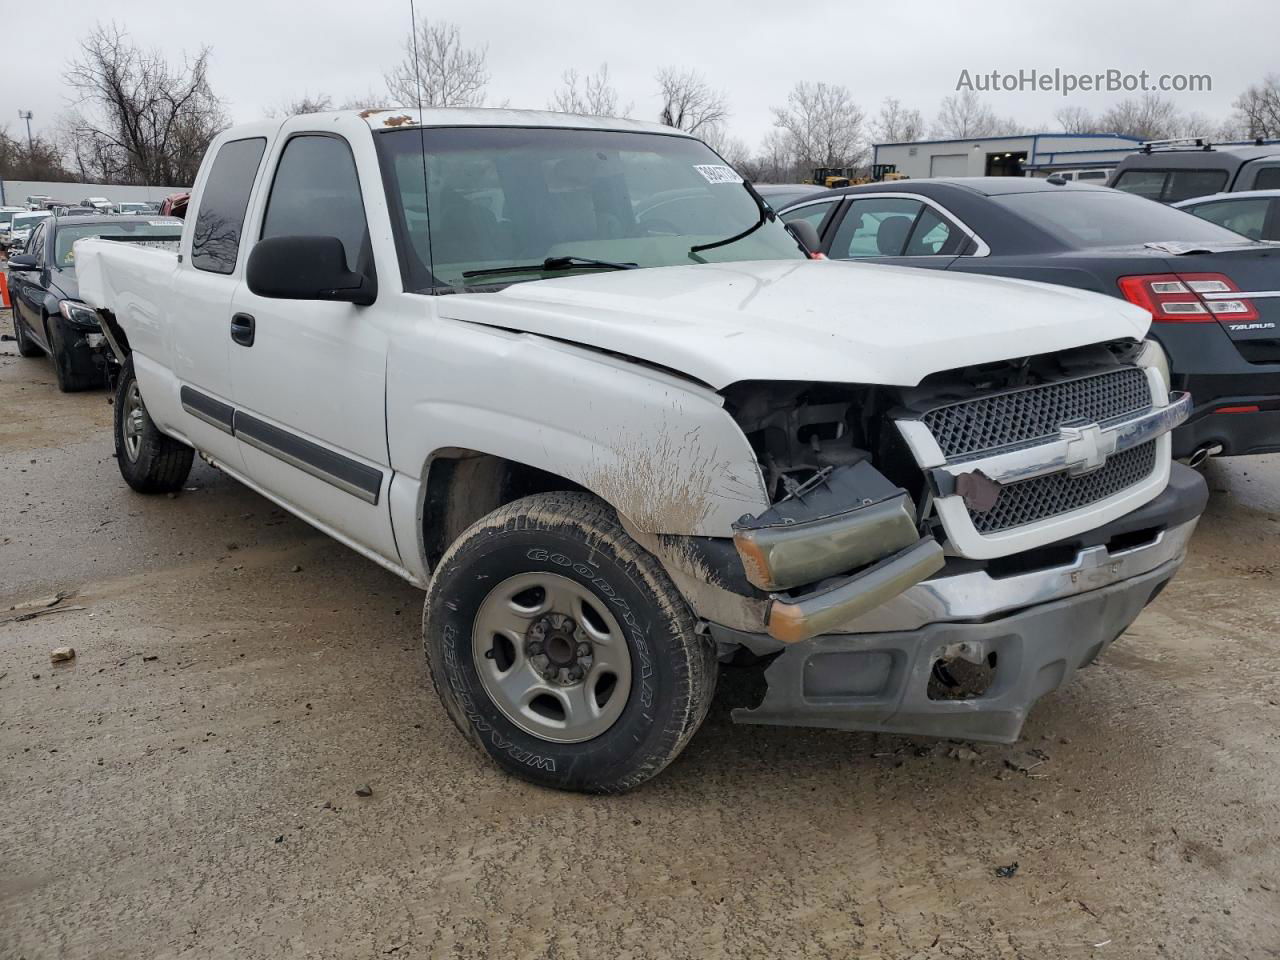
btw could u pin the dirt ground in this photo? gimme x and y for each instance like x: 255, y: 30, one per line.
x: 186, y: 786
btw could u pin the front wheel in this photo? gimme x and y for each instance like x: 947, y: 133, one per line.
x: 561, y: 648
x: 150, y: 461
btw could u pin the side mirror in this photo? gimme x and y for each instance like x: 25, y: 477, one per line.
x: 306, y: 268
x: 23, y: 261
x: 806, y: 235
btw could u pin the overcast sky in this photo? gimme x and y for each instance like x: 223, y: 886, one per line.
x: 269, y: 51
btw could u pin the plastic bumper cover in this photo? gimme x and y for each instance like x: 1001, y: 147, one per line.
x: 880, y: 681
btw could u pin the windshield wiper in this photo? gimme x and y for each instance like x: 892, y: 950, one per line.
x: 766, y: 214
x: 551, y: 264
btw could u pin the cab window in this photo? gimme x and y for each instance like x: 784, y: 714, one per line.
x: 215, y: 242
x: 316, y: 193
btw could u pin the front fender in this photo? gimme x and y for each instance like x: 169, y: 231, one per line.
x: 659, y: 448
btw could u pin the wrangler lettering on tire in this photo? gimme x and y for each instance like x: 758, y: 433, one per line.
x: 562, y: 649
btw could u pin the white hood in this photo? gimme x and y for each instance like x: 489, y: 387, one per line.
x: 805, y: 319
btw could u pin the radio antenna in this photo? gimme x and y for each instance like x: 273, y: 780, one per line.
x: 422, y: 139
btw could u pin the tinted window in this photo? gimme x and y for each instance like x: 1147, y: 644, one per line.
x: 934, y: 236
x: 35, y: 244
x: 1144, y: 183
x: 875, y: 227
x: 1245, y: 216
x: 1268, y: 178
x: 814, y: 213
x: 1103, y: 218
x: 1091, y: 175
x: 316, y: 193
x: 215, y: 243
x: 1185, y: 184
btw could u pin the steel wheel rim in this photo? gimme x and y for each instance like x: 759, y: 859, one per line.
x: 133, y: 421
x: 519, y: 640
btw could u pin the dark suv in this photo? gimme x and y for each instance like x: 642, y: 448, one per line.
x: 1182, y: 170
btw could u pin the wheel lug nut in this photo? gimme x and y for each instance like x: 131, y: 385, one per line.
x: 535, y: 648
x: 583, y: 649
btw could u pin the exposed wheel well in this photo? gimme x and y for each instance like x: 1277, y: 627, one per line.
x: 465, y: 485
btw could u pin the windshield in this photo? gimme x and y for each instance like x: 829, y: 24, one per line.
x: 165, y: 232
x: 516, y: 196
x: 1108, y: 218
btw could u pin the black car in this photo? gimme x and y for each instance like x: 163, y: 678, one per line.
x: 1213, y: 294
x: 48, y: 316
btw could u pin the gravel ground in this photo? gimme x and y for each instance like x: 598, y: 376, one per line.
x: 186, y: 786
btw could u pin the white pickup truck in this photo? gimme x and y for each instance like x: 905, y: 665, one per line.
x: 572, y: 377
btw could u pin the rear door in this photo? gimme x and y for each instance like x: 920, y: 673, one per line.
x: 309, y: 376
x: 212, y: 257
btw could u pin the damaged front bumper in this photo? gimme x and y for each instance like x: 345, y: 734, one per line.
x: 1021, y: 632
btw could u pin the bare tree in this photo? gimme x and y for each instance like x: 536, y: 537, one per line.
x: 822, y: 124
x: 775, y: 162
x: 1149, y: 117
x: 452, y: 75
x: 34, y: 159
x: 688, y: 101
x: 896, y: 124
x: 1076, y: 120
x: 963, y: 115
x: 595, y: 97
x: 367, y: 101
x: 319, y: 103
x: 734, y: 150
x: 1257, y: 110
x: 139, y: 119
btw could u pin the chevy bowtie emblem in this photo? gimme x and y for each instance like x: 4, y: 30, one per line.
x: 1087, y: 447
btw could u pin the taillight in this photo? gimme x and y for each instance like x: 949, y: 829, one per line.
x: 1188, y: 297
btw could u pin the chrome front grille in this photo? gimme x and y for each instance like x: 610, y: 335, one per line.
x: 1039, y: 498
x: 971, y: 427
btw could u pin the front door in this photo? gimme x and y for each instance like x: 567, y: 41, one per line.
x: 309, y: 376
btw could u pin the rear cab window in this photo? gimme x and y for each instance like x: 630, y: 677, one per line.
x: 215, y: 240
x: 1170, y: 186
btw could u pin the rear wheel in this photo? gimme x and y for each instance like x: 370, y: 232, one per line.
x: 150, y: 461
x: 26, y: 346
x: 561, y: 648
x: 74, y: 367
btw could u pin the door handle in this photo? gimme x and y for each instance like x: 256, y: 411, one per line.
x: 242, y: 328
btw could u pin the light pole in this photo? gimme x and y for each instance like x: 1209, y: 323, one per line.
x: 26, y: 115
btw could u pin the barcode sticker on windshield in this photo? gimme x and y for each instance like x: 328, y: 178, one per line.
x: 717, y: 173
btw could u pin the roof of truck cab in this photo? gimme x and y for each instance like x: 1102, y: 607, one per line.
x: 392, y: 117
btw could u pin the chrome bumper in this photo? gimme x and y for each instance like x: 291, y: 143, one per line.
x: 979, y: 596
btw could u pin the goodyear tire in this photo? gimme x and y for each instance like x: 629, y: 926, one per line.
x: 150, y: 461
x: 561, y: 648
